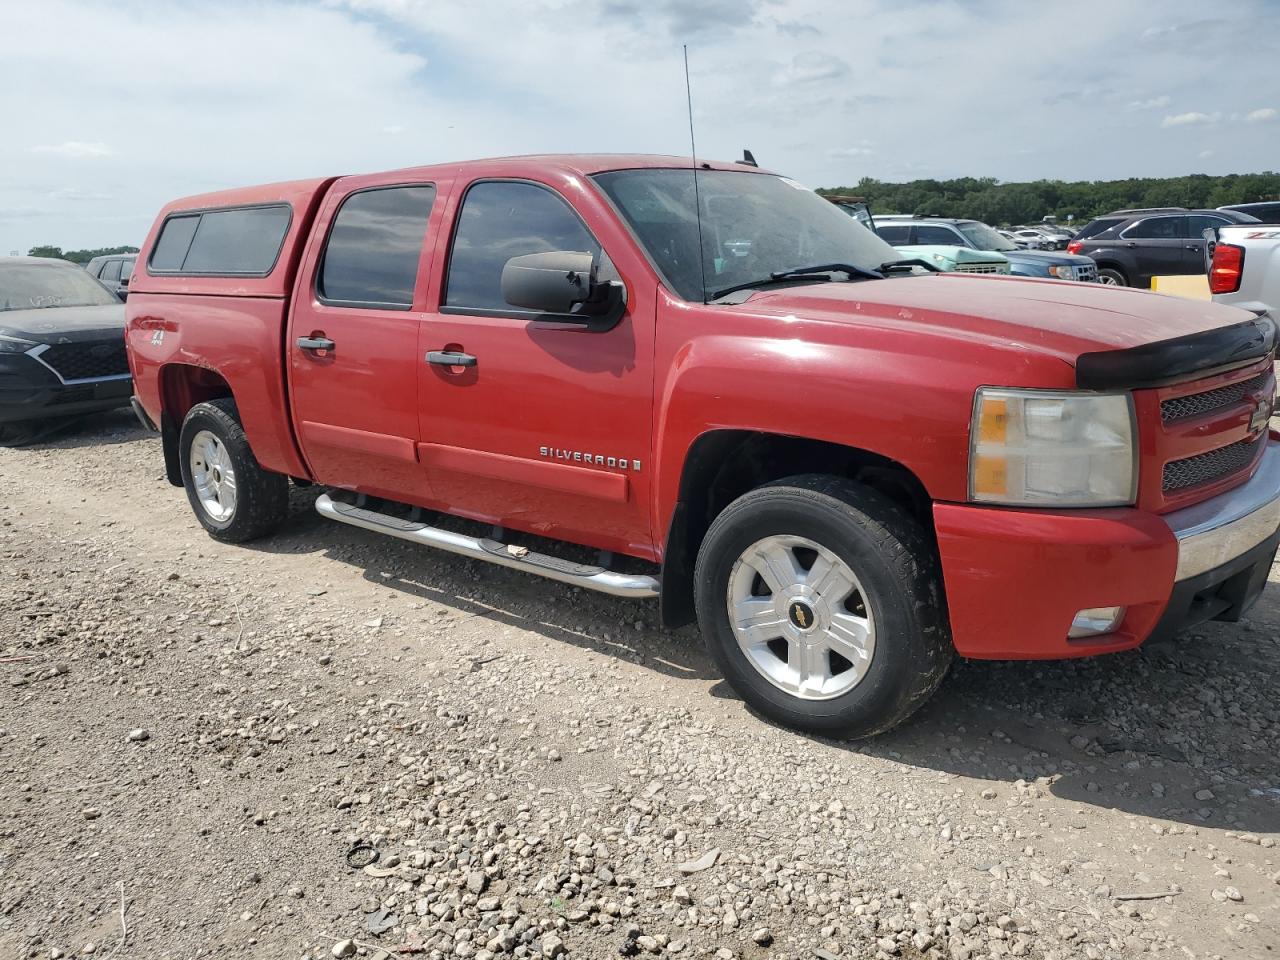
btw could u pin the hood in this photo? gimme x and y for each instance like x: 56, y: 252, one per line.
x: 931, y: 251
x: 64, y: 324
x: 1046, y: 317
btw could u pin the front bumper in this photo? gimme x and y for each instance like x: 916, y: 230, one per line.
x: 1015, y: 579
x: 31, y: 391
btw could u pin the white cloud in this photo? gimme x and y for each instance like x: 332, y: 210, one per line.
x: 1154, y: 103
x: 74, y: 149
x: 1190, y: 119
x: 811, y: 66
x: 840, y: 153
x: 394, y: 129
x: 1204, y: 154
x: 1258, y: 116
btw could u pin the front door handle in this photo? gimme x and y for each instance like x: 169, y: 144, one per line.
x: 316, y: 343
x: 450, y: 358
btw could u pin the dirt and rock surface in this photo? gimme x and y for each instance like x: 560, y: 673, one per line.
x: 204, y: 735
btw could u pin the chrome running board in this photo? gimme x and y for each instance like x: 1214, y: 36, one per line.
x: 632, y: 586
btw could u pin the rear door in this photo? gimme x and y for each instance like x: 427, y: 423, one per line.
x: 353, y: 339
x: 1158, y: 245
x: 1193, y: 255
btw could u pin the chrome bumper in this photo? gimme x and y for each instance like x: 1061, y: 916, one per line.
x: 1219, y: 530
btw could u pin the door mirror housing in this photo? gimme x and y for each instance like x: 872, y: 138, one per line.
x: 563, y: 284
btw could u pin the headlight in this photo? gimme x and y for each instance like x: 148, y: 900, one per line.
x: 1044, y: 448
x: 15, y: 344
x: 1063, y: 271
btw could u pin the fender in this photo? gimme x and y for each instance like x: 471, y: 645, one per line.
x: 817, y: 385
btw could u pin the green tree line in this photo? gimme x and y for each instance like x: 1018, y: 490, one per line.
x: 77, y: 256
x: 989, y: 200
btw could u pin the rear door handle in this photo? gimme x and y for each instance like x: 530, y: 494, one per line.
x: 316, y: 343
x: 448, y: 358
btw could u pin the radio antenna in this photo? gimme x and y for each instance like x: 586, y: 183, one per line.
x: 693, y: 153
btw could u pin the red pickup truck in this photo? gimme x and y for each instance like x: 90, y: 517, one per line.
x: 848, y: 469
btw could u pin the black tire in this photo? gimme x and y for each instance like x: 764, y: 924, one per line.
x: 262, y: 497
x: 897, y: 567
x: 1112, y: 277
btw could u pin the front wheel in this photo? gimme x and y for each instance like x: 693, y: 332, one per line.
x: 233, y: 497
x: 1112, y: 277
x: 821, y: 602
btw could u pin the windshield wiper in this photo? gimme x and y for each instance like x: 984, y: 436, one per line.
x: 801, y: 273
x: 909, y: 262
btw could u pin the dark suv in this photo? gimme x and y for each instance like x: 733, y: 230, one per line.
x: 113, y: 272
x: 1132, y: 246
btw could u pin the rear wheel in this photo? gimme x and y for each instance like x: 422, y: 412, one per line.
x: 233, y: 497
x: 1112, y: 277
x: 821, y: 602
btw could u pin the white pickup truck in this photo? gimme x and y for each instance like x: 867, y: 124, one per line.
x: 1243, y: 262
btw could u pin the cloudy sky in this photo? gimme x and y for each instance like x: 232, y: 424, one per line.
x: 110, y: 109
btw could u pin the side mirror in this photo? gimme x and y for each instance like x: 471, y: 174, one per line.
x: 563, y: 284
x: 124, y: 281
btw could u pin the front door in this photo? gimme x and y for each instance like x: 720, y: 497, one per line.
x: 353, y: 341
x: 536, y: 425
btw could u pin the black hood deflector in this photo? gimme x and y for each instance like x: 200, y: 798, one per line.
x: 1183, y: 358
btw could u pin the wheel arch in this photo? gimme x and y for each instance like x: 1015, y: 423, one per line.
x: 723, y: 464
x: 182, y: 386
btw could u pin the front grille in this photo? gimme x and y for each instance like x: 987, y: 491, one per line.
x: 979, y: 268
x: 87, y: 361
x: 1207, y: 467
x: 1087, y: 273
x: 1198, y: 404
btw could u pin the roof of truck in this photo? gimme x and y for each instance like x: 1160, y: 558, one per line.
x: 579, y: 164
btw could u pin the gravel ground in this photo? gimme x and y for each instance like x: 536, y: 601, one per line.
x: 196, y: 736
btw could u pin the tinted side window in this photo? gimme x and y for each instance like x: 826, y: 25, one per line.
x: 1099, y: 227
x: 371, y: 256
x: 1155, y: 228
x: 1199, y: 223
x: 934, y: 234
x: 237, y: 241
x: 501, y: 220
x: 111, y: 274
x: 893, y: 233
x: 174, y: 242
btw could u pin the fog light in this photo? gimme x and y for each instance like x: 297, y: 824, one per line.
x: 1095, y: 621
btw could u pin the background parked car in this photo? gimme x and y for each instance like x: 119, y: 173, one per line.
x: 1132, y: 246
x: 944, y: 248
x: 1268, y: 211
x: 1023, y: 243
x: 976, y: 235
x: 1044, y: 240
x: 113, y: 271
x: 62, y: 348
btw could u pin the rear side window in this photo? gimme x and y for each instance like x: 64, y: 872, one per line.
x: 126, y: 269
x: 503, y: 219
x: 371, y: 256
x: 111, y: 273
x: 1156, y: 228
x: 234, y: 241
x: 893, y: 233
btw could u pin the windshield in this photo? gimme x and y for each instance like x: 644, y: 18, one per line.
x: 24, y: 286
x: 753, y: 225
x: 984, y: 238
